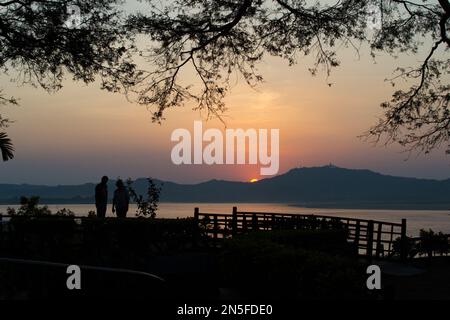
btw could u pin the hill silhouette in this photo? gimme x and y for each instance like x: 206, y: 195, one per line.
x: 326, y: 186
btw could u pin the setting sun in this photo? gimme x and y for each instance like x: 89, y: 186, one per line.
x: 253, y: 180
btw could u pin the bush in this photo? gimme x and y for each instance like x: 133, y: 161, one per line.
x: 110, y: 241
x: 331, y: 241
x: 41, y: 237
x: 431, y: 242
x: 428, y: 243
x: 410, y: 247
x: 30, y: 207
x: 146, y: 207
x: 263, y: 266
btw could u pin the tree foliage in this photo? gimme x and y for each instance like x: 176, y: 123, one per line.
x: 39, y: 47
x: 29, y: 207
x: 146, y: 207
x: 220, y: 38
x: 417, y: 117
x: 6, y: 147
x: 38, y: 44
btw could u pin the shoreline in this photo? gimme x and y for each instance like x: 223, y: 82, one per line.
x: 400, y: 206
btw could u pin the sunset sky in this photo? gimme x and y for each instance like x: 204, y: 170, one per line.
x: 81, y: 133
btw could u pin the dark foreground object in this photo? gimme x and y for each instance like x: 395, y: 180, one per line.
x: 32, y: 279
x: 179, y: 259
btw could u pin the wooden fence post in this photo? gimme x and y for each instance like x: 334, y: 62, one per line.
x: 196, y: 212
x: 216, y: 229
x: 234, y: 222
x: 379, y: 246
x: 255, y: 222
x: 357, y: 231
x: 369, y: 240
x: 403, y: 242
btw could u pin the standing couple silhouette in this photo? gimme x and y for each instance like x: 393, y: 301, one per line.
x: 121, y: 199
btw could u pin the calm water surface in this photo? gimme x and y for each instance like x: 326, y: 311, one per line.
x: 416, y: 219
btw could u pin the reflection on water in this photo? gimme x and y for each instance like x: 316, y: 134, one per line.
x: 416, y: 219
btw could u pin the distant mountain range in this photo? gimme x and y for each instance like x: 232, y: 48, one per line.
x: 327, y: 186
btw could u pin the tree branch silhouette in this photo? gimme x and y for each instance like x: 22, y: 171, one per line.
x: 215, y: 39
x: 40, y: 49
x: 218, y: 38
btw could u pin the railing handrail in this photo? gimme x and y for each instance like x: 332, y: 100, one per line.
x: 238, y: 213
x: 85, y: 267
x: 364, y: 233
x: 250, y: 213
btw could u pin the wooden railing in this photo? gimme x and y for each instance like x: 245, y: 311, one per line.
x: 372, y: 238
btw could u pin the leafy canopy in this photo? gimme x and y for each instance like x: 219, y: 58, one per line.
x: 217, y: 38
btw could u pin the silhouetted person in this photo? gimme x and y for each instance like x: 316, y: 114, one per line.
x: 121, y: 200
x: 101, y: 197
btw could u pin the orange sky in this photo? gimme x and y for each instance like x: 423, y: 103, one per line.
x: 82, y: 133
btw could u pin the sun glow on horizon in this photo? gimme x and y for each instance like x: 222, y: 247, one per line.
x: 253, y: 180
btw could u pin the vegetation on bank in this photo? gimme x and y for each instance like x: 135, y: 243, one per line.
x: 429, y: 243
